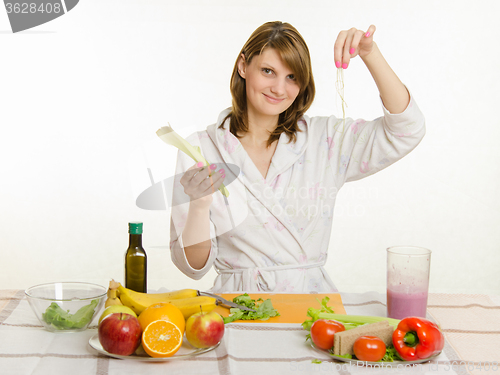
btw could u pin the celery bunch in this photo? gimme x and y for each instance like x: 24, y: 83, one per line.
x: 349, y: 321
x: 169, y: 136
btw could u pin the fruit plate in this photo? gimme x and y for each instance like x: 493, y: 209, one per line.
x: 357, y: 362
x: 185, y: 351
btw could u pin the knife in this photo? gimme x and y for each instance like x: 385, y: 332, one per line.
x: 222, y: 301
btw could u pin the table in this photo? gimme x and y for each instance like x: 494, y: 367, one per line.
x: 471, y: 324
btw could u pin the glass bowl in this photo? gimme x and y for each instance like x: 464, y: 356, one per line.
x: 66, y: 306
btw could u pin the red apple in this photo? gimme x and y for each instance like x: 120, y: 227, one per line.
x: 120, y: 333
x: 204, y: 329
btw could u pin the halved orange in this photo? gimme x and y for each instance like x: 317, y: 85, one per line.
x: 161, y: 339
x: 162, y: 311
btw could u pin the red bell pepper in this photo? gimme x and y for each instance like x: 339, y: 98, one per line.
x: 417, y: 338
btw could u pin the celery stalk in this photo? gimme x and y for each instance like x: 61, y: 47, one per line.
x: 349, y: 321
x: 169, y: 136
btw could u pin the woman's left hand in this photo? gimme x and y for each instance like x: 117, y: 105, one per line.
x: 351, y: 43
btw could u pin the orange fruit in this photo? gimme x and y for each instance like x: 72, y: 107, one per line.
x: 161, y: 339
x: 162, y: 311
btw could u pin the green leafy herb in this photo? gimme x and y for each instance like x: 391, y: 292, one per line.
x: 263, y: 309
x: 391, y: 355
x: 316, y: 361
x: 62, y: 319
x: 324, y: 306
x: 245, y: 300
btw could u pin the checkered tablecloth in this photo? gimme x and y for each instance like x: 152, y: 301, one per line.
x: 471, y: 324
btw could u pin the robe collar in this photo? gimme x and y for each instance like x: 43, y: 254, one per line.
x: 286, y: 154
x: 232, y: 151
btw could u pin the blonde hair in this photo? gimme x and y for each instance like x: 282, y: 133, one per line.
x: 290, y: 45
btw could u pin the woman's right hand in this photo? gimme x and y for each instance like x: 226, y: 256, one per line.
x: 200, y: 182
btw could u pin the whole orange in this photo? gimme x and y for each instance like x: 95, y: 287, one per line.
x: 162, y: 311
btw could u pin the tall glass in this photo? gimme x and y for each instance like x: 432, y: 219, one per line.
x: 408, y: 269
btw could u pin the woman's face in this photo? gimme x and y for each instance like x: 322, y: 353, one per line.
x: 270, y: 84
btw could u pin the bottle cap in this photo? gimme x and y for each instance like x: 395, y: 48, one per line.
x: 135, y: 228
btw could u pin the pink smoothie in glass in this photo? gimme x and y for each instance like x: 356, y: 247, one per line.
x: 402, y: 305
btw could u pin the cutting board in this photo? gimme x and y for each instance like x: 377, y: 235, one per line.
x: 292, y: 307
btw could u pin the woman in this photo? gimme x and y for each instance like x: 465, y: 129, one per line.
x: 289, y: 166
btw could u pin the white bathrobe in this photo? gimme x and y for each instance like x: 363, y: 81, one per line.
x: 282, y: 224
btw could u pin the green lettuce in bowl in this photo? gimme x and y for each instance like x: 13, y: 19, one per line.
x: 62, y: 319
x: 66, y: 306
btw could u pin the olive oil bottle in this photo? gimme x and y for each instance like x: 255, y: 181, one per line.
x: 136, y: 260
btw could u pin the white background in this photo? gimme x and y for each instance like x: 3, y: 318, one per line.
x: 82, y: 96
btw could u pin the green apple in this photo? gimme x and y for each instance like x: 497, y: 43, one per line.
x: 116, y: 309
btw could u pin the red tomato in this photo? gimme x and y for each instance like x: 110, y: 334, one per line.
x: 322, y: 332
x: 369, y: 348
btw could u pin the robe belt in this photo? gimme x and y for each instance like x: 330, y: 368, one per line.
x: 261, y: 278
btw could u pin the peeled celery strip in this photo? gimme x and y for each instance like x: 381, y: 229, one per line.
x: 169, y: 136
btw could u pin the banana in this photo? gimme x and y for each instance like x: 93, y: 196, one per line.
x: 192, y: 305
x: 138, y: 304
x: 112, y: 294
x: 156, y: 297
x: 188, y: 306
x: 187, y: 300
